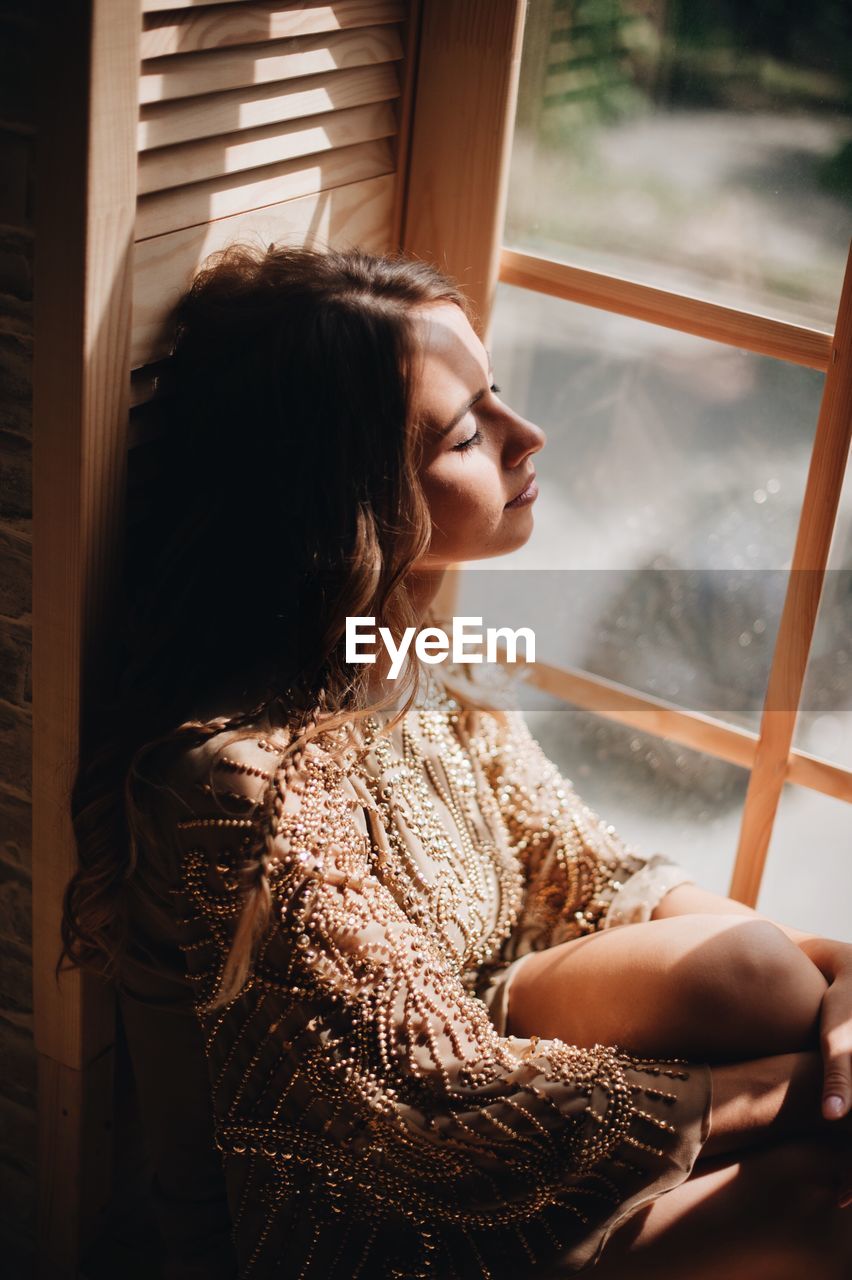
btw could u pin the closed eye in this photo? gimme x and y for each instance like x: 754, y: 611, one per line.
x: 476, y: 438
x: 469, y: 443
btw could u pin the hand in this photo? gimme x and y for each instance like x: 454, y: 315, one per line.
x: 836, y: 1035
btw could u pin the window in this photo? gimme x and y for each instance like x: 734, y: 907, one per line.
x: 673, y: 262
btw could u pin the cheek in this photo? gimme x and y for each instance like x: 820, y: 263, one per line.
x: 476, y: 488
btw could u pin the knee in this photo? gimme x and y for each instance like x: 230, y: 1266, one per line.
x: 753, y: 976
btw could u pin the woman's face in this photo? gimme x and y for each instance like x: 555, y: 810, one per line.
x: 477, y: 452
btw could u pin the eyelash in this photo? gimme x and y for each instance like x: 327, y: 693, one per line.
x: 477, y: 435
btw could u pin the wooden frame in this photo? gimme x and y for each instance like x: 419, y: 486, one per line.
x: 688, y: 728
x: 768, y: 754
x: 662, y: 719
x: 747, y: 330
x: 86, y: 208
x: 455, y: 200
x: 804, y: 587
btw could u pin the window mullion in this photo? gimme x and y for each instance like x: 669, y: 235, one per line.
x: 795, y: 632
x: 763, y: 335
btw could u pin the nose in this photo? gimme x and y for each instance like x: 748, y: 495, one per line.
x: 525, y: 438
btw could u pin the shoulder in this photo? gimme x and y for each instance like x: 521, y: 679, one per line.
x: 229, y: 770
x: 234, y: 765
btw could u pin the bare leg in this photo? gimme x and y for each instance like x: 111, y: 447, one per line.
x: 769, y: 1215
x: 709, y: 987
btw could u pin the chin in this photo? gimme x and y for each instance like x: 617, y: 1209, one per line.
x: 486, y: 550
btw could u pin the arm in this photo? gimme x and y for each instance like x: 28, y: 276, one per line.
x: 834, y: 961
x: 355, y: 1070
x: 580, y: 876
x: 688, y: 899
x: 765, y: 1099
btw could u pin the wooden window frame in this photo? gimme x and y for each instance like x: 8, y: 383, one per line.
x: 767, y: 754
x: 450, y: 209
x: 85, y: 212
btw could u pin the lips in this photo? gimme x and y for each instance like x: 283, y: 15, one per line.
x: 522, y: 491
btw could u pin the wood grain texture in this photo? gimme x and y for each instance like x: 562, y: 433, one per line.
x: 164, y: 124
x: 82, y: 327
x: 186, y: 75
x: 469, y: 58
x: 208, y: 201
x: 84, y: 276
x: 795, y: 632
x: 157, y: 6
x: 171, y: 32
x: 831, y: 779
x: 75, y: 1160
x: 643, y: 711
x: 405, y: 115
x: 690, y: 729
x: 743, y: 329
x: 356, y: 214
x: 191, y: 162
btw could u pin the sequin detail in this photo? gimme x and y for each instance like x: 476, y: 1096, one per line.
x: 372, y: 1121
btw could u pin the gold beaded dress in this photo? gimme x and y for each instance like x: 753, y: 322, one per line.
x: 370, y: 1113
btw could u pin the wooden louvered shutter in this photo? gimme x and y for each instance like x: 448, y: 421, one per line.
x: 263, y: 121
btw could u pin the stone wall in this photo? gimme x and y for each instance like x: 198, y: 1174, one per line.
x: 17, y: 1057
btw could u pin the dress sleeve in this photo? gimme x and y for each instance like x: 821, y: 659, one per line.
x: 580, y: 876
x: 365, y: 1106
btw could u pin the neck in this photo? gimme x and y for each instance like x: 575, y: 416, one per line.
x: 423, y: 585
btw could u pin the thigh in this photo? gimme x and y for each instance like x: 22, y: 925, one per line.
x: 768, y: 1214
x: 702, y: 986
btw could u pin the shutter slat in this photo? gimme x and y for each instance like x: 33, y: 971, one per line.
x: 186, y: 162
x: 187, y: 75
x: 249, y: 23
x: 220, y: 198
x: 157, y: 6
x: 143, y: 385
x: 164, y: 124
x: 359, y: 213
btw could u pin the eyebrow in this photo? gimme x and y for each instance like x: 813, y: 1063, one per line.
x: 445, y: 430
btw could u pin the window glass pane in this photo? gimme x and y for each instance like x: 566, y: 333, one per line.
x: 694, y: 145
x: 660, y: 797
x: 807, y: 881
x: 670, y: 492
x: 824, y: 724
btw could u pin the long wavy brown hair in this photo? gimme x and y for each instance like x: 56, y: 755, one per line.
x: 285, y: 498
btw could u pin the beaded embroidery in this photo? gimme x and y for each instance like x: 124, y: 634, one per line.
x: 371, y: 1120
x: 485, y: 876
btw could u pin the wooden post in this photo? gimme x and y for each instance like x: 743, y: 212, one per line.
x: 468, y: 63
x: 810, y: 557
x: 464, y: 109
x: 85, y: 210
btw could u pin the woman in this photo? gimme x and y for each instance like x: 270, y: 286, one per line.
x: 428, y: 1051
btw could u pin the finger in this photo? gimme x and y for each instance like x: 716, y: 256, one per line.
x: 837, y: 1075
